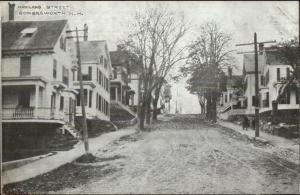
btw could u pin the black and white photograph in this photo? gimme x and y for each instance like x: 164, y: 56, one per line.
x: 150, y: 97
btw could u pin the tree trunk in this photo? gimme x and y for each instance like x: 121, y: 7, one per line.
x: 208, y: 107
x: 142, y: 115
x: 214, y: 108
x: 148, y: 110
x: 155, y: 111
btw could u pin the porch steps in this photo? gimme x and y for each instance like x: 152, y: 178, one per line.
x: 70, y: 129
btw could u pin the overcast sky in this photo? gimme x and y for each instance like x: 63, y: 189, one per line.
x: 272, y: 20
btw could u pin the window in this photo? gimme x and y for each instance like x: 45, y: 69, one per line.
x: 96, y: 100
x: 287, y: 73
x: 78, y: 98
x: 65, y: 75
x: 253, y: 101
x: 230, y: 97
x: 106, y: 106
x: 100, y: 77
x: 90, y: 73
x: 100, y: 103
x: 225, y: 98
x: 28, y: 32
x: 25, y: 66
x: 90, y: 98
x: 61, y: 43
x: 61, y: 105
x: 285, y: 99
x: 97, y: 75
x: 262, y: 80
x: 278, y: 74
x: 65, y: 44
x: 54, y: 68
x: 267, y: 77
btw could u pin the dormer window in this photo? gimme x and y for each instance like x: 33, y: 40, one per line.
x: 28, y: 32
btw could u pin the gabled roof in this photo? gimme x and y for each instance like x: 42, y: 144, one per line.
x: 275, y: 58
x: 249, y: 63
x: 44, y: 37
x: 235, y: 81
x: 92, y: 50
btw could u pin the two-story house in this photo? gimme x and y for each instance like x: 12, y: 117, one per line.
x: 36, y: 69
x: 121, y: 94
x: 232, y: 101
x: 249, y: 80
x: 275, y: 73
x: 96, y: 71
x: 38, y: 99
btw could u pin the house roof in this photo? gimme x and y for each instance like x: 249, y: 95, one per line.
x: 45, y: 34
x: 235, y: 81
x: 249, y: 63
x: 92, y: 50
x: 276, y: 58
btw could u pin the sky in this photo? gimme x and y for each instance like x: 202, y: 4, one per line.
x: 108, y: 20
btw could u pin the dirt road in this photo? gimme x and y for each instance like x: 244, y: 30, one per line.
x: 185, y: 155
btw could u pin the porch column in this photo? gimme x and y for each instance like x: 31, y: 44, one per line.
x: 121, y: 94
x: 36, y: 100
x: 88, y: 98
x: 116, y: 90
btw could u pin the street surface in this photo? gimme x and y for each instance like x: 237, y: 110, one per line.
x: 182, y: 154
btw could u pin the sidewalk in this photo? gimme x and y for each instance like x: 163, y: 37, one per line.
x: 272, y: 139
x: 50, y: 163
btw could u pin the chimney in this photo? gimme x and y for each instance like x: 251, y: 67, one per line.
x: 85, y: 38
x: 261, y: 48
x: 11, y: 12
x: 229, y: 72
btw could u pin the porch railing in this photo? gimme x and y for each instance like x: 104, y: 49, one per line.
x: 29, y: 113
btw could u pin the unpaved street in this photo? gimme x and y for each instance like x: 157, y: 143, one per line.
x: 187, y: 156
x: 179, y: 155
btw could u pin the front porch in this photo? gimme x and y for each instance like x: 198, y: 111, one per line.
x: 30, y: 101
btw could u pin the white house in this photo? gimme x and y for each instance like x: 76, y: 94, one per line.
x: 275, y: 72
x: 232, y: 101
x: 36, y: 65
x: 249, y: 80
x: 96, y: 72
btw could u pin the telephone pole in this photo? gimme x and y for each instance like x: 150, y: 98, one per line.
x: 256, y: 79
x: 84, y: 123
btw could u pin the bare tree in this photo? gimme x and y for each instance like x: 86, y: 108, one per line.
x: 155, y: 37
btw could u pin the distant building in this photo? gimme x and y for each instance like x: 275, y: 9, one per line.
x: 232, y: 102
x: 121, y: 95
x: 96, y: 73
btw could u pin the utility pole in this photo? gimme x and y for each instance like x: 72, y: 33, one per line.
x: 85, y: 133
x: 256, y: 79
x: 256, y: 88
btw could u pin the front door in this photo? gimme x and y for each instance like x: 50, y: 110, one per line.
x: 24, y: 99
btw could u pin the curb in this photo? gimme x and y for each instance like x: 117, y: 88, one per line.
x: 252, y: 138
